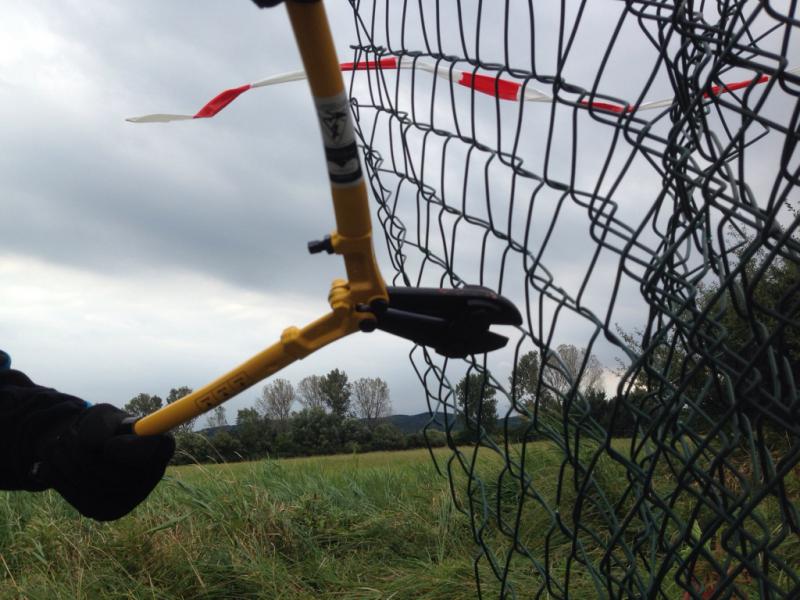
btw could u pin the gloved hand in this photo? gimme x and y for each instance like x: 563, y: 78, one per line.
x: 60, y: 442
x: 103, y: 474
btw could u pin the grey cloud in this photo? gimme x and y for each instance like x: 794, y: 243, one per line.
x: 235, y: 198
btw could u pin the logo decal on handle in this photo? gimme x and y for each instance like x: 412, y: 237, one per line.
x: 335, y: 121
x: 339, y: 138
x: 227, y: 389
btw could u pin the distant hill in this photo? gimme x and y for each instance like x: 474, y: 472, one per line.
x: 415, y: 423
x: 212, y: 431
x: 405, y: 423
x: 408, y: 424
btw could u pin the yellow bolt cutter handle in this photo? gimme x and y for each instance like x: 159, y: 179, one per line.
x: 454, y: 322
x: 352, y: 238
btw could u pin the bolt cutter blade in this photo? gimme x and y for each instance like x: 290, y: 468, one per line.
x: 450, y: 302
x: 454, y: 322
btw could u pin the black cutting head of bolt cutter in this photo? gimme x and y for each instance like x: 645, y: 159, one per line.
x: 454, y: 322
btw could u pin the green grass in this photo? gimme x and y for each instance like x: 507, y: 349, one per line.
x: 378, y: 525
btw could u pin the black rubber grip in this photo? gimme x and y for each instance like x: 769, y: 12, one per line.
x: 126, y: 426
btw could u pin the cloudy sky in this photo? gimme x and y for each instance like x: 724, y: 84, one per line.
x: 136, y: 258
x: 139, y: 258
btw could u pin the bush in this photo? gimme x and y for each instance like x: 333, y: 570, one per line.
x: 225, y: 448
x: 256, y: 434
x: 190, y: 448
x: 464, y: 437
x: 313, y: 431
x: 387, y: 437
x: 356, y: 432
x: 424, y: 439
x: 284, y: 445
x: 436, y: 439
x: 307, y: 433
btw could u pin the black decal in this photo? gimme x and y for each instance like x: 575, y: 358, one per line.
x: 342, y: 156
x: 334, y: 121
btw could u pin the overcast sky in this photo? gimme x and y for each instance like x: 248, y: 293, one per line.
x: 136, y: 258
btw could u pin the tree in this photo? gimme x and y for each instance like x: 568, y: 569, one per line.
x: 611, y: 414
x: 477, y: 399
x: 254, y: 433
x: 356, y: 435
x: 190, y: 448
x: 309, y: 392
x: 247, y: 415
x: 217, y: 418
x: 174, y: 395
x: 752, y: 325
x: 525, y: 378
x: 372, y: 399
x: 336, y: 390
x: 524, y: 383
x: 143, y: 404
x: 225, y: 446
x: 741, y: 354
x: 276, y: 400
x: 571, y: 366
x: 313, y: 431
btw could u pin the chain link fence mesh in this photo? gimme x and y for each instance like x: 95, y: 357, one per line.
x: 627, y: 174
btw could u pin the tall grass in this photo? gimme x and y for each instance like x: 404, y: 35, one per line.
x: 378, y: 525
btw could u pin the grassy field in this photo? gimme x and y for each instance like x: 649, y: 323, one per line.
x: 378, y: 525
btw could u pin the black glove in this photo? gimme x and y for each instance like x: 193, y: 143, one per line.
x: 101, y: 473
x: 76, y: 449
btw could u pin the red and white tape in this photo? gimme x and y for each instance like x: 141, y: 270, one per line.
x: 497, y: 87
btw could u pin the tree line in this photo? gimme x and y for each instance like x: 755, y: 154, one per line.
x: 337, y: 415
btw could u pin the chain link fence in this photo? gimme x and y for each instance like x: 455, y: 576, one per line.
x: 627, y: 174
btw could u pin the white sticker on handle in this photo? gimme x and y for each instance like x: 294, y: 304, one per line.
x: 339, y: 138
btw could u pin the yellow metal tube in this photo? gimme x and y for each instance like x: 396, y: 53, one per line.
x: 353, y: 236
x: 352, y: 239
x: 237, y: 380
x: 294, y: 344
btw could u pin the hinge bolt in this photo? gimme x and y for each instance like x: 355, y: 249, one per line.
x: 318, y: 246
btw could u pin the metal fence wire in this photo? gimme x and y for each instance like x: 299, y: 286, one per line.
x: 627, y: 174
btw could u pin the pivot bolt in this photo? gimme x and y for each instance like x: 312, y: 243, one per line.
x: 317, y: 246
x: 379, y: 305
x: 368, y: 325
